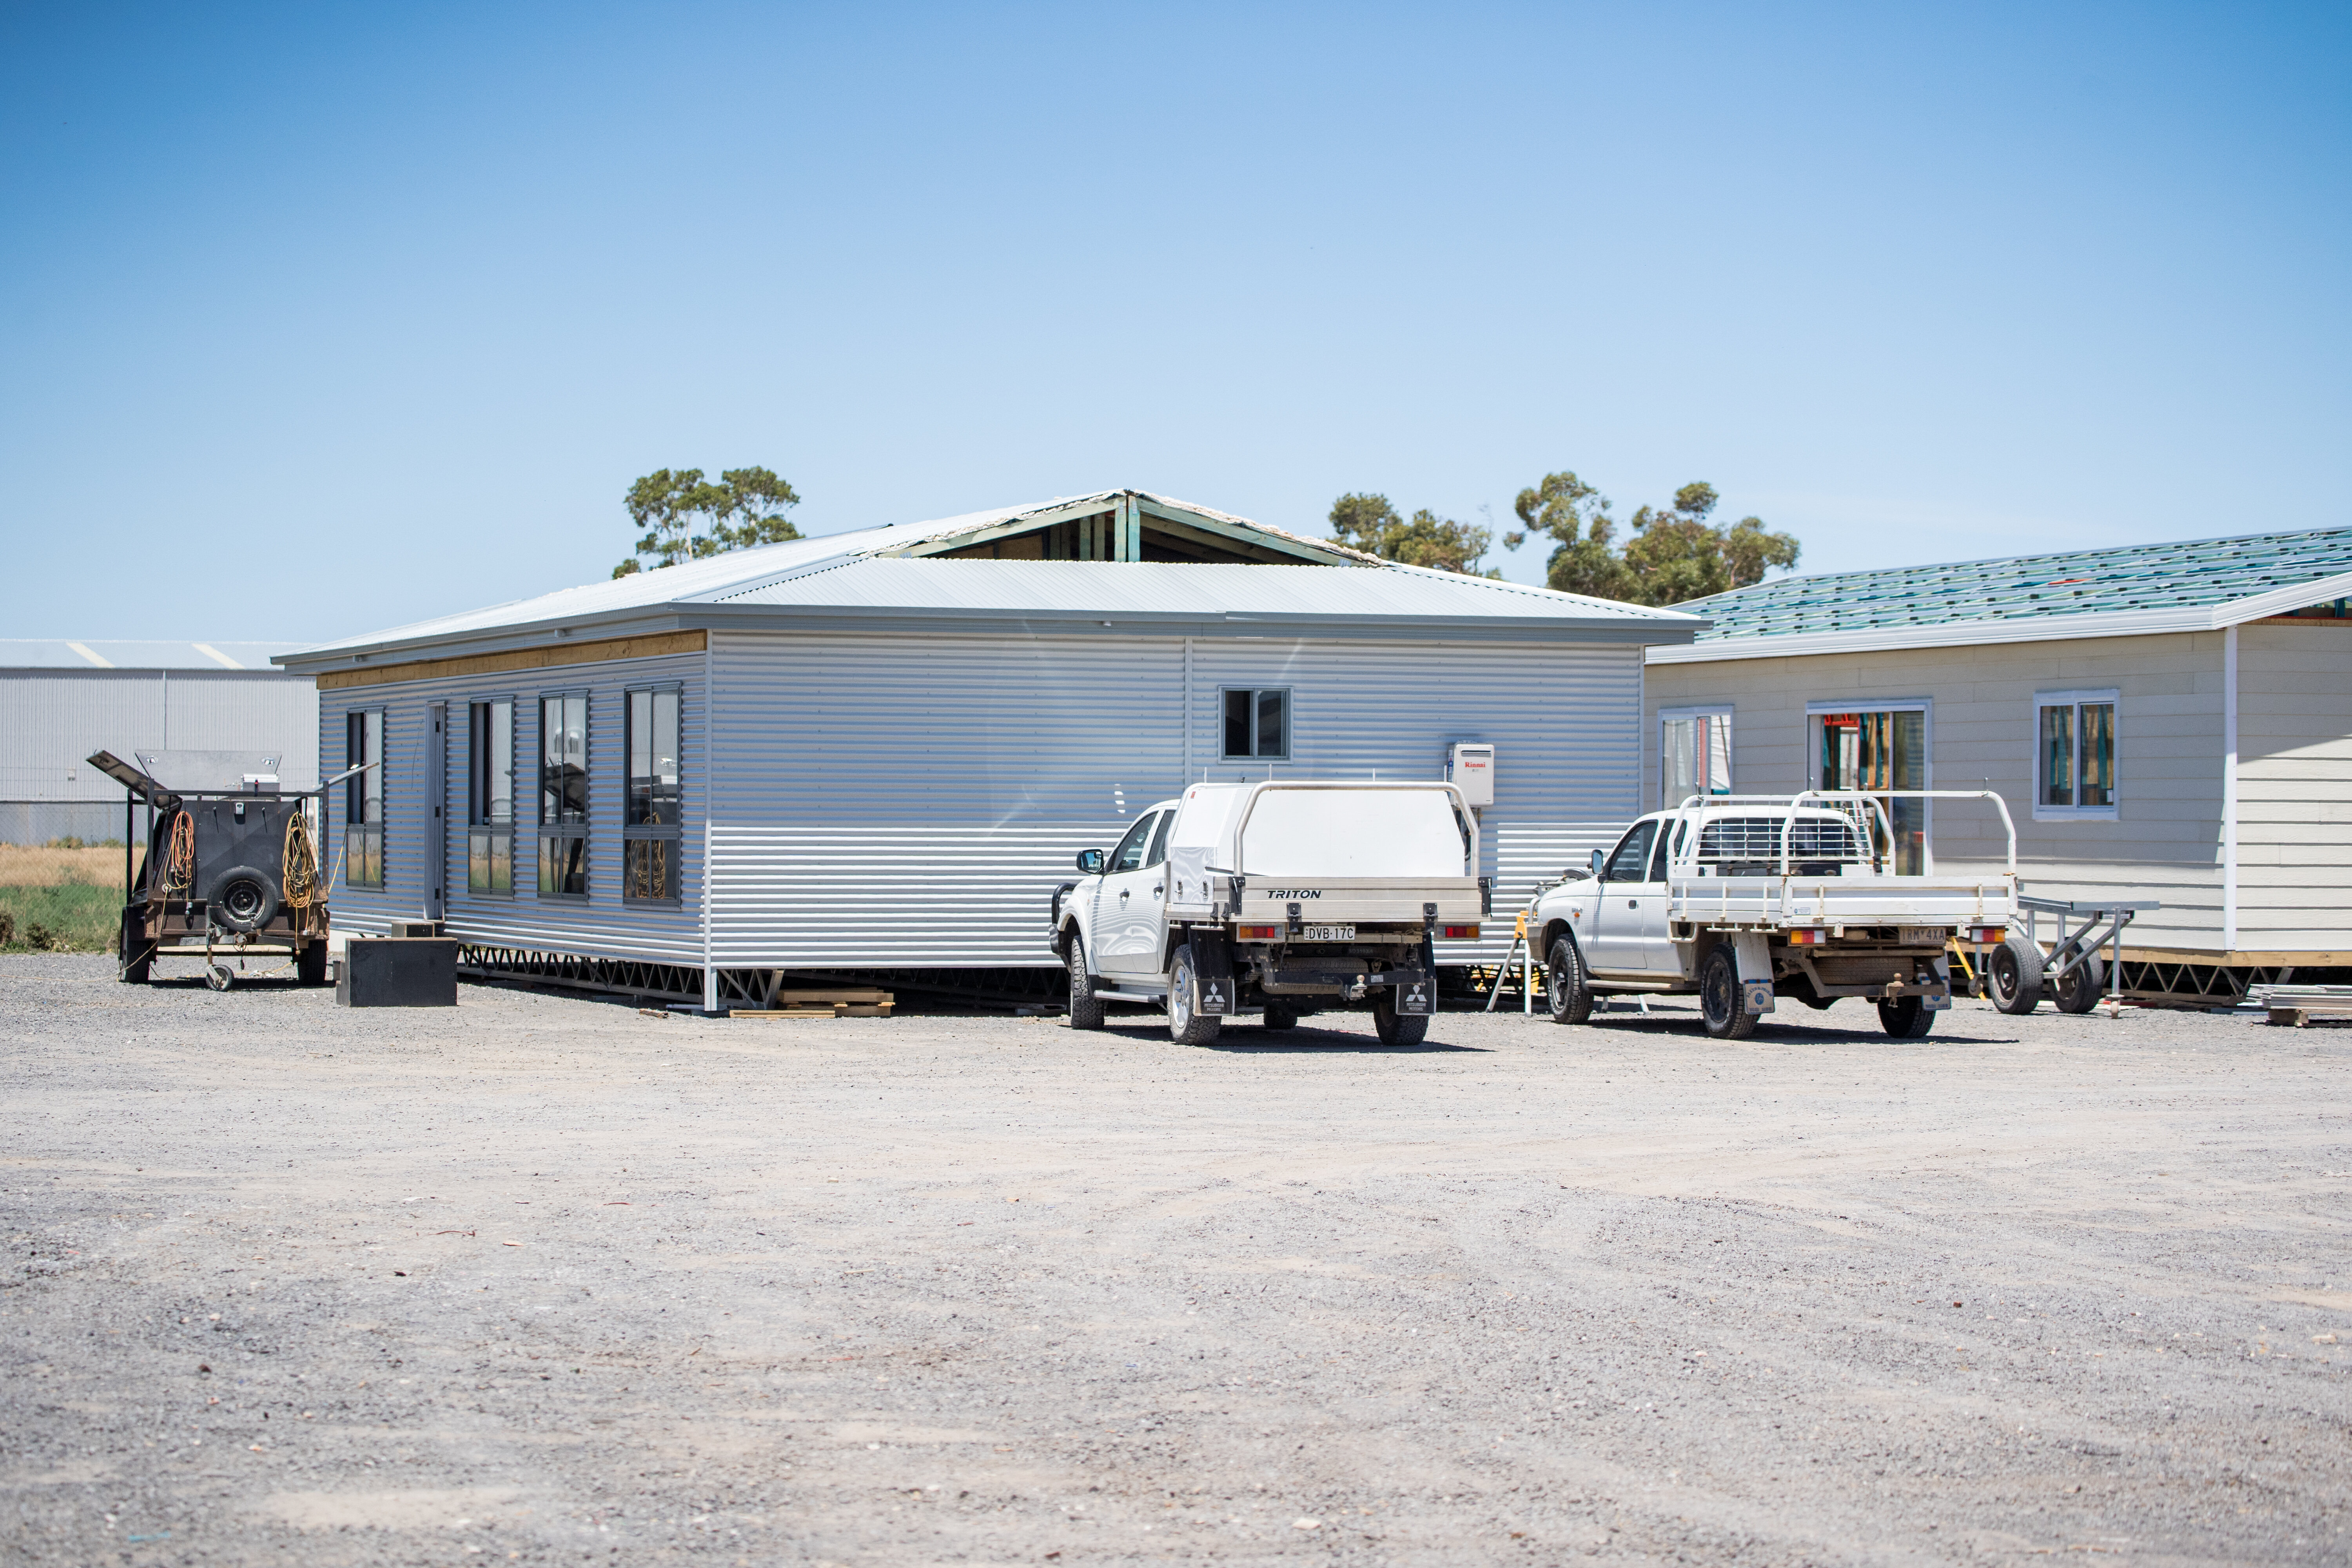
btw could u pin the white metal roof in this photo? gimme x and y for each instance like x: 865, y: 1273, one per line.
x: 863, y: 573
x: 99, y: 653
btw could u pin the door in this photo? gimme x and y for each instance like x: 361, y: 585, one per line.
x: 1657, y: 951
x: 436, y: 799
x: 1130, y: 903
x: 1618, y: 927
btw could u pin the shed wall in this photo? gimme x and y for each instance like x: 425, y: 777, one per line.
x: 52, y: 720
x: 2295, y: 787
x: 2165, y: 842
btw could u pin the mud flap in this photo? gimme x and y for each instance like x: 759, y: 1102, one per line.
x: 1415, y: 997
x: 1941, y: 997
x: 1754, y: 959
x: 1212, y: 975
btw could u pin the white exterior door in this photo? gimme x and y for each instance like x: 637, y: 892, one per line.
x: 1132, y: 903
x: 1620, y: 929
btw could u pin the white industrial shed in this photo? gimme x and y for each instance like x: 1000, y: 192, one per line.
x: 61, y: 701
x: 882, y: 750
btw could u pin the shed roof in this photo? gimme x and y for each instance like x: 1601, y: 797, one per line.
x: 895, y: 572
x: 2198, y: 584
x: 97, y: 652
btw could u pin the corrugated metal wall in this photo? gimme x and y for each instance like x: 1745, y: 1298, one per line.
x: 51, y: 720
x: 602, y: 927
x: 914, y: 800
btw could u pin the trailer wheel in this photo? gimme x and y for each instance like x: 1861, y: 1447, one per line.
x: 1086, y: 1007
x: 1722, y: 1004
x: 2080, y: 988
x: 1397, y: 1028
x: 1279, y: 1018
x: 1564, y: 988
x: 1187, y: 1026
x: 135, y: 951
x: 2013, y: 975
x: 1905, y: 1018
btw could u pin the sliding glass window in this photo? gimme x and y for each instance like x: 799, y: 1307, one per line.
x: 563, y: 795
x: 489, y: 797
x: 363, y: 799
x: 650, y: 825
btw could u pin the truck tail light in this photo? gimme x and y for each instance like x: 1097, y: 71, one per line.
x: 1257, y: 933
x: 1805, y: 938
x: 1463, y: 933
x: 1988, y: 936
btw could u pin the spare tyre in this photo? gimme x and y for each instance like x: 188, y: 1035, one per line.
x: 242, y: 898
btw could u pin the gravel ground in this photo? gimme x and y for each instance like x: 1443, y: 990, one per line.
x: 550, y: 1280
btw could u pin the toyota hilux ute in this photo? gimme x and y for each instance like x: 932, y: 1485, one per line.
x: 1277, y: 899
x: 1743, y: 900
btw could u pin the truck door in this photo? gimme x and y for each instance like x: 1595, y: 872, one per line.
x: 1657, y: 951
x: 1128, y: 917
x: 1617, y: 914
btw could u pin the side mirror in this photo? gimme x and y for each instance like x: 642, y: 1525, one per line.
x: 1090, y: 862
x: 1599, y: 860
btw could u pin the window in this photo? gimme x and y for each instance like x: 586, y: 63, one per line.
x: 1875, y: 751
x: 649, y: 826
x: 1159, y: 855
x: 2074, y: 755
x: 563, y: 797
x: 1128, y: 856
x: 489, y: 797
x: 1627, y: 863
x: 363, y: 799
x: 1694, y: 754
x: 1258, y: 722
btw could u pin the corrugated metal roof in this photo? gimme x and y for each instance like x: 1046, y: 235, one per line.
x: 813, y: 573
x: 97, y: 652
x: 1204, y: 590
x: 2190, y: 574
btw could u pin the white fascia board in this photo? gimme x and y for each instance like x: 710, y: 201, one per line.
x: 2281, y: 600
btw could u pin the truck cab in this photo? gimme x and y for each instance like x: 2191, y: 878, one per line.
x: 1275, y: 900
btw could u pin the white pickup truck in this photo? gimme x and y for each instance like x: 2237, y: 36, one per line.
x: 1744, y: 899
x: 1278, y: 898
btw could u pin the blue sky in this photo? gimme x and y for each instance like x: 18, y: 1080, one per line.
x: 320, y: 319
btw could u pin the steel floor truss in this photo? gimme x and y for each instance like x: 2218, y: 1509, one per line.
x: 616, y: 976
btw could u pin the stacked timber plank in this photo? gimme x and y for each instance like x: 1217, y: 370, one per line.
x: 848, y: 1004
x: 2296, y: 1006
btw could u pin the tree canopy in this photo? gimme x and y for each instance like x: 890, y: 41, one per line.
x: 744, y: 507
x: 1674, y: 553
x: 1369, y: 523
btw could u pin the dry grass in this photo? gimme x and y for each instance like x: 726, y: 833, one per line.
x: 22, y: 865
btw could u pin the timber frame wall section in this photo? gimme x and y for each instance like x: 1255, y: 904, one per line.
x: 550, y: 655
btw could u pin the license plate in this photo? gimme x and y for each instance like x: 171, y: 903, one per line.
x: 1330, y: 933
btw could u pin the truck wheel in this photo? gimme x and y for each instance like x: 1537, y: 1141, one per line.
x: 1086, y: 1007
x: 1564, y: 986
x: 1397, y: 1029
x: 2013, y: 975
x: 2080, y: 988
x: 135, y: 952
x: 1905, y: 1018
x: 1186, y: 1026
x: 1279, y: 1018
x: 1721, y: 1002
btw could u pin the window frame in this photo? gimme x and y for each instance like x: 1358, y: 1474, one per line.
x: 364, y: 839
x: 1140, y: 835
x: 559, y: 831
x: 1715, y: 713
x: 2076, y: 700
x: 669, y: 833
x: 1289, y: 725
x: 483, y: 829
x: 1816, y: 710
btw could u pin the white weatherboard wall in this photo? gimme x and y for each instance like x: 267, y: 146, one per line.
x: 2294, y: 788
x: 915, y: 799
x: 2164, y: 841
x: 602, y: 927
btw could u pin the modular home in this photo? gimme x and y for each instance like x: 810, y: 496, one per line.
x: 2169, y: 722
x: 882, y: 751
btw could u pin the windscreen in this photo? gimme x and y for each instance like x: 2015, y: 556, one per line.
x: 1354, y: 833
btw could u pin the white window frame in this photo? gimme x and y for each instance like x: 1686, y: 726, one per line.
x: 1721, y: 713
x: 1922, y: 705
x: 2112, y: 811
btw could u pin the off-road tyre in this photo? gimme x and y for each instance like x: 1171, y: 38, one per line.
x: 1565, y: 992
x: 1086, y: 1007
x: 1186, y: 1026
x: 310, y: 963
x: 2013, y: 975
x: 1722, y: 1004
x: 1906, y: 1017
x: 2079, y: 989
x: 135, y: 953
x: 242, y: 898
x: 1397, y: 1028
x: 1279, y: 1018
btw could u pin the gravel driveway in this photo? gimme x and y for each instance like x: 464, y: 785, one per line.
x: 545, y: 1279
